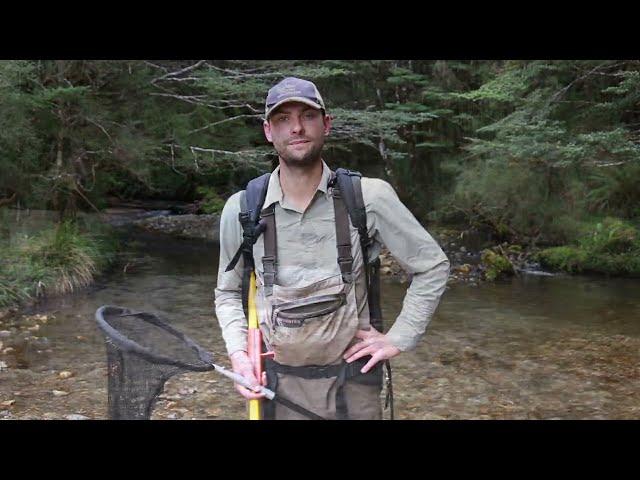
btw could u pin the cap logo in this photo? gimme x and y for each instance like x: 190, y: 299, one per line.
x: 288, y: 89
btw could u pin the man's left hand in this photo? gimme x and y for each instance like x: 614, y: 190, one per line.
x: 372, y: 343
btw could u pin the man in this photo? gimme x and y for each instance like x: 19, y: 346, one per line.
x: 312, y: 309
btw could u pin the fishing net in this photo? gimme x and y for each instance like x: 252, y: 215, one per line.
x: 143, y: 352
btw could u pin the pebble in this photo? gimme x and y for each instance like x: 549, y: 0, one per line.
x: 59, y: 393
x: 76, y: 416
x: 3, y: 366
x: 5, y: 333
x: 65, y: 374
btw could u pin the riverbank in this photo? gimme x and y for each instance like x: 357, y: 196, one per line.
x: 474, y: 258
x: 203, y: 226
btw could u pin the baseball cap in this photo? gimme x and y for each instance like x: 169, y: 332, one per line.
x: 293, y: 89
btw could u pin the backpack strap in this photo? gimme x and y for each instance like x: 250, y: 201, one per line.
x: 351, y: 188
x: 270, y: 258
x: 251, y: 201
x: 349, y: 184
x: 343, y: 235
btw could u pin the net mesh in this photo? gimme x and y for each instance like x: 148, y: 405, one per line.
x: 143, y: 352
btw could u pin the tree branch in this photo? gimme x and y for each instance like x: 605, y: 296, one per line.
x: 225, y: 121
x: 179, y: 72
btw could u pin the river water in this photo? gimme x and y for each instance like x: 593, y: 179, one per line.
x: 533, y: 347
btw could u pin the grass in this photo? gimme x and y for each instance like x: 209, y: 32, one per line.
x: 55, y: 261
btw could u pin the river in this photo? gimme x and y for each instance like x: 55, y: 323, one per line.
x: 532, y: 347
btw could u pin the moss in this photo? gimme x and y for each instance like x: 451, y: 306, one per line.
x: 567, y: 258
x: 495, y: 265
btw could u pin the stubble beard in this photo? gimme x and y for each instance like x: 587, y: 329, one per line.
x: 301, y: 161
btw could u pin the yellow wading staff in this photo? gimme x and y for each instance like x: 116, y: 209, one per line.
x: 254, y: 348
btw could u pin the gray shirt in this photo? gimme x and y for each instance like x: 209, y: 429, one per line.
x: 307, y: 253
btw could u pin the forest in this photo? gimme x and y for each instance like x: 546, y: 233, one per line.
x: 541, y: 155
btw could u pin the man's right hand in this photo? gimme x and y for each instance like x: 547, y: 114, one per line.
x: 241, y: 364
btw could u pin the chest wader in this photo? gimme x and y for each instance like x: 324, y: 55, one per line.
x: 309, y: 328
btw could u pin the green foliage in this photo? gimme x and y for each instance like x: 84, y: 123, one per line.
x: 495, y: 265
x: 567, y: 258
x: 212, y: 202
x: 615, y: 190
x: 534, y: 149
x: 611, y: 236
x: 560, y: 147
x: 511, y: 199
x: 611, y: 247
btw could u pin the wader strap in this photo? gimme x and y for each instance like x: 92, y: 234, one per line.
x: 270, y: 258
x: 269, y: 408
x: 388, y: 401
x: 342, y: 412
x: 373, y: 295
x: 343, y: 236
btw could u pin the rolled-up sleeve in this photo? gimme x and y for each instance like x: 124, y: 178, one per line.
x: 228, y: 291
x: 391, y: 223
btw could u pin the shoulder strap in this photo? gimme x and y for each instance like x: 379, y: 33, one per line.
x: 256, y: 193
x: 349, y: 184
x: 251, y: 201
x: 351, y: 189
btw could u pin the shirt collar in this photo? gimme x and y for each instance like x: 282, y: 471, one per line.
x: 274, y: 190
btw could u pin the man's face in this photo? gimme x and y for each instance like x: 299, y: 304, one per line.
x: 297, y: 132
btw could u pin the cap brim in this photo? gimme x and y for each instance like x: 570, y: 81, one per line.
x: 304, y: 100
